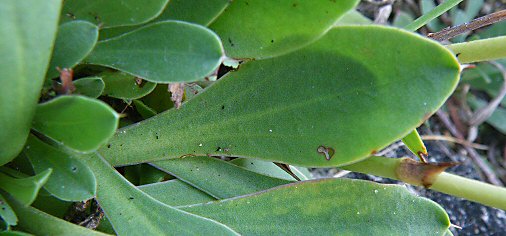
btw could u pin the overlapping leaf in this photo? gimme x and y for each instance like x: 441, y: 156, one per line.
x: 327, y: 104
x: 28, y: 30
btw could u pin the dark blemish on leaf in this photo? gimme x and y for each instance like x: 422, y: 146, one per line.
x: 108, y: 145
x: 247, y: 3
x: 74, y: 169
x: 374, y: 152
x: 458, y: 54
x: 272, y: 40
x: 3, y: 208
x: 223, y: 107
x: 219, y: 149
x: 251, y: 163
x: 328, y: 152
x: 157, y: 137
x: 294, y: 5
x: 131, y: 198
x: 230, y: 41
x: 121, y: 145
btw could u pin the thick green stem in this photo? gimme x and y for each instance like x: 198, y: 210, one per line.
x: 480, y: 50
x: 427, y: 17
x: 469, y: 189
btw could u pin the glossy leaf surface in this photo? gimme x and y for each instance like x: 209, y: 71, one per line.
x: 327, y: 104
x: 41, y: 223
x: 112, y: 13
x: 81, y: 123
x: 90, y: 86
x: 74, y: 42
x: 329, y: 207
x: 24, y: 190
x: 28, y: 29
x: 71, y: 180
x: 132, y: 211
x: 125, y: 86
x: 270, y: 28
x: 168, y: 51
x: 218, y: 178
x: 176, y: 193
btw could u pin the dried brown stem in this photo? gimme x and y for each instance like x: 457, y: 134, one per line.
x: 483, y: 21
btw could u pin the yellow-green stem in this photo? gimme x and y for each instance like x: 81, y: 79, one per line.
x: 480, y: 50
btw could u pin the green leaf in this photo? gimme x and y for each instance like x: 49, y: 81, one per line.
x: 217, y: 178
x: 7, y: 214
x: 327, y: 101
x: 201, y: 12
x: 143, y: 174
x: 125, y: 86
x: 132, y: 212
x: 51, y: 205
x: 81, y: 123
x: 176, y: 193
x: 144, y: 111
x: 71, y: 180
x: 159, y: 100
x: 270, y: 169
x: 24, y: 190
x: 112, y: 13
x: 89, y: 86
x: 415, y: 144
x: 191, y: 53
x: 41, y: 223
x: 271, y: 28
x: 28, y: 29
x: 74, y: 42
x: 13, y: 233
x: 329, y: 207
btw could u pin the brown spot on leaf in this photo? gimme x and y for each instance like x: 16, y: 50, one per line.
x: 418, y: 173
x: 328, y: 152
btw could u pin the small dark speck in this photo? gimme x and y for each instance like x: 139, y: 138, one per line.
x: 121, y: 145
x: 131, y: 198
x: 272, y: 40
x: 223, y: 107
x: 218, y: 149
x: 251, y: 163
x: 3, y: 208
x: 157, y: 137
x: 294, y: 5
x: 247, y: 3
x: 74, y: 169
x: 109, y: 146
x: 458, y: 54
x: 230, y: 41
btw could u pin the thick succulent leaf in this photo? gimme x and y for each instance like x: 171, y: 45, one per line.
x: 28, y: 29
x: 71, y: 180
x: 74, y: 42
x: 270, y: 28
x: 329, y: 207
x: 168, y: 51
x: 41, y: 223
x: 218, y: 178
x: 133, y: 212
x: 144, y: 111
x: 14, y: 233
x: 81, y: 123
x: 327, y: 104
x: 176, y: 193
x: 415, y: 144
x: 125, y: 86
x: 24, y: 190
x: 112, y: 13
x: 159, y: 100
x: 143, y: 174
x: 201, y: 12
x: 90, y: 86
x: 271, y: 169
x: 8, y: 215
x: 51, y: 205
